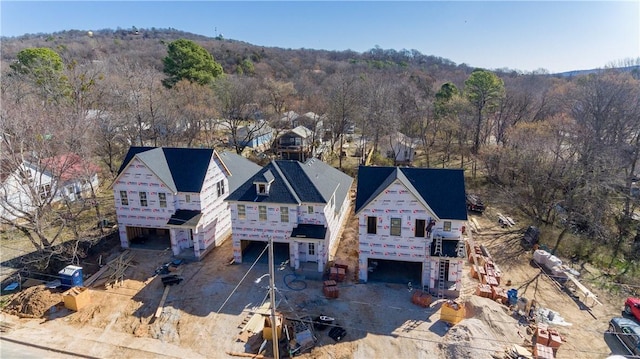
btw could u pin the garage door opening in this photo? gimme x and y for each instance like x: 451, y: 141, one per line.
x: 382, y: 270
x: 149, y: 238
x: 252, y: 249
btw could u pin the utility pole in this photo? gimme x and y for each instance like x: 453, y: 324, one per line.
x: 272, y: 296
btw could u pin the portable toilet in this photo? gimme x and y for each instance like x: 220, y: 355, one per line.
x: 71, y: 276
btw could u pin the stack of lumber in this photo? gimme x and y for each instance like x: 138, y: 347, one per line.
x: 112, y: 272
x: 254, y: 323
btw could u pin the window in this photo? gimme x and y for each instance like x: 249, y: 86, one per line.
x: 446, y: 226
x: 143, y: 199
x: 372, y: 224
x: 262, y: 188
x: 45, y: 191
x: 312, y: 249
x: 162, y: 199
x: 420, y: 228
x: 395, y: 226
x: 242, y: 211
x: 187, y: 198
x: 284, y: 214
x: 123, y: 198
x: 220, y: 187
x: 310, y: 209
x: 262, y: 213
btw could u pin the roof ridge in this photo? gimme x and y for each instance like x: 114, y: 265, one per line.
x: 286, y: 182
x: 315, y: 187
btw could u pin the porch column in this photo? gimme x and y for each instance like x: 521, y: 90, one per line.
x: 174, y: 241
x: 294, y: 256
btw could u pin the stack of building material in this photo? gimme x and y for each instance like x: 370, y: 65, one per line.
x: 337, y: 274
x: 542, y: 352
x: 542, y: 335
x: 555, y: 340
x: 330, y: 289
x: 499, y: 294
x: 421, y: 298
x: 483, y: 290
x: 113, y: 272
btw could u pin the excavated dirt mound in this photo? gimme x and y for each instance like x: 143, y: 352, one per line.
x: 33, y: 302
x: 486, y: 331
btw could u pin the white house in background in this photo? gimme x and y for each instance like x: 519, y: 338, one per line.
x: 25, y: 185
x: 301, y: 206
x: 400, y: 148
x: 174, y: 197
x: 412, y: 219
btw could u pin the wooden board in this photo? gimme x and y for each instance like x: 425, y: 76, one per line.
x: 162, y: 300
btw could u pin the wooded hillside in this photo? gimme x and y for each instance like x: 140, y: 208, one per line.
x: 563, y: 150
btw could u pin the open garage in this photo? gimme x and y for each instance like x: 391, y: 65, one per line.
x: 388, y: 271
x: 148, y: 238
x: 252, y: 249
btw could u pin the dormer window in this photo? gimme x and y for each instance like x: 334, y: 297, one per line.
x: 263, y: 183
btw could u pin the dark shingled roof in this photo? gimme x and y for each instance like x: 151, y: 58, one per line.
x: 185, y: 217
x: 294, y: 182
x: 184, y: 169
x: 443, y: 190
x: 240, y: 167
x: 316, y: 231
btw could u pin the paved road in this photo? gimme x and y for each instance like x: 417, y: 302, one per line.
x: 13, y: 349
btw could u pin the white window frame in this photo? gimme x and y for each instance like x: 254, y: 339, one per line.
x: 284, y: 214
x: 242, y: 211
x: 124, y: 199
x: 162, y: 199
x: 143, y: 199
x: 262, y: 213
x: 395, y: 224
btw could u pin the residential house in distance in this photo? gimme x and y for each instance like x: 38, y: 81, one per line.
x: 301, y: 206
x: 411, y: 222
x: 174, y: 197
x: 24, y: 184
x: 296, y: 144
x: 256, y: 136
x: 400, y: 148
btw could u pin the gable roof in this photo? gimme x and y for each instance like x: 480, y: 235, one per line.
x: 184, y: 169
x: 241, y: 169
x: 294, y: 182
x: 441, y: 190
x: 301, y: 131
x: 257, y: 129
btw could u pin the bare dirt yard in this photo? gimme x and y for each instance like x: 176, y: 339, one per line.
x: 204, y: 314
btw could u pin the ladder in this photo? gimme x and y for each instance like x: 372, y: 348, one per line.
x: 441, y: 278
x: 460, y: 252
x: 438, y: 247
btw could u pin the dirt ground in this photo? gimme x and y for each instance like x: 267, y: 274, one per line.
x: 203, y: 314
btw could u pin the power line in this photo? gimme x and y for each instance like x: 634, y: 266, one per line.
x: 242, y: 279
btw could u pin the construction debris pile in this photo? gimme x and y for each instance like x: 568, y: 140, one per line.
x: 298, y: 334
x: 542, y: 339
x: 113, y: 272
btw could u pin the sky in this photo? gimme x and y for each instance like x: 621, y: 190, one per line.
x: 519, y: 35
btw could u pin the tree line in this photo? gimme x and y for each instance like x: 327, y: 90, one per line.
x: 565, y: 149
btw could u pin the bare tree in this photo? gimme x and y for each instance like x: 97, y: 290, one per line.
x: 343, y: 106
x: 237, y: 101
